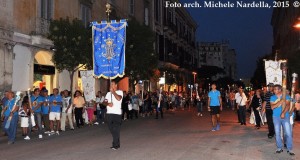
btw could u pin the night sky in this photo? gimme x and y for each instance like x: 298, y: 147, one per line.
x: 248, y: 30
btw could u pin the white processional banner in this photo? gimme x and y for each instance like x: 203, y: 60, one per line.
x: 88, y: 84
x: 273, y: 72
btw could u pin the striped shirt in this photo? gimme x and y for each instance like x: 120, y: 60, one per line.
x: 267, y: 97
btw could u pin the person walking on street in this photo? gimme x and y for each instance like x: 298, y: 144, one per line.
x: 79, y: 104
x: 215, y: 106
x: 113, y: 101
x: 256, y: 107
x: 232, y: 99
x: 66, y: 111
x: 281, y: 119
x: 135, y: 105
x: 266, y: 108
x: 241, y: 100
x: 159, y: 106
x: 100, y: 109
x: 11, y: 112
x: 37, y: 102
x: 199, y: 103
x: 46, y: 110
x: 125, y: 102
x: 55, y: 110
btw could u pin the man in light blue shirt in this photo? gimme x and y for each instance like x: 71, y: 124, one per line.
x: 215, y: 106
x: 55, y: 110
x: 11, y: 112
x: 37, y: 101
x: 281, y: 118
x: 45, y: 110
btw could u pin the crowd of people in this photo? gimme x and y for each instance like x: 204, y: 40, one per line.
x: 267, y: 102
x: 49, y: 114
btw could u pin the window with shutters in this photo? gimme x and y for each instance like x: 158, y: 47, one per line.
x: 47, y: 9
x: 131, y: 7
x: 146, y: 16
x: 85, y: 12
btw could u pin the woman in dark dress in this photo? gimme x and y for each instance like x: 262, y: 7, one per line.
x: 256, y: 106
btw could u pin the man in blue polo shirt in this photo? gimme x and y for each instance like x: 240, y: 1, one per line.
x: 37, y: 101
x: 45, y: 110
x: 215, y: 106
x: 11, y: 111
x: 55, y: 110
x: 281, y: 118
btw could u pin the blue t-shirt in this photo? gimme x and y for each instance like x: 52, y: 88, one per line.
x: 10, y: 105
x: 45, y: 109
x: 55, y: 108
x: 214, y: 98
x: 277, y: 111
x: 35, y: 101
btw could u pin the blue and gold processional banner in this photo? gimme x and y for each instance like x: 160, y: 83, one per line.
x: 109, y: 40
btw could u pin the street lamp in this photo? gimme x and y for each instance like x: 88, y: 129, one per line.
x: 297, y: 24
x: 194, y: 74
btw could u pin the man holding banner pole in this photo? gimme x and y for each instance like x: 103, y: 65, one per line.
x: 109, y: 41
x: 113, y: 101
x: 281, y: 119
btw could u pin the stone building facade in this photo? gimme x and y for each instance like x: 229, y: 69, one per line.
x: 26, y: 52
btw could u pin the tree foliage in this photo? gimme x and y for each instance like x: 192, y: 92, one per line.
x: 209, y: 71
x: 141, y: 60
x: 72, y: 42
x: 73, y: 45
x: 293, y: 63
x: 259, y: 77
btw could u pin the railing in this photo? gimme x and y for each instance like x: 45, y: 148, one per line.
x: 42, y: 26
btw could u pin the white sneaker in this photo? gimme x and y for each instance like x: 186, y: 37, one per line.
x: 96, y: 123
x: 27, y: 138
x: 47, y: 132
x: 57, y: 132
x: 40, y: 136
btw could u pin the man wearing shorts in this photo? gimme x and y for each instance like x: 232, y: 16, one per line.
x: 55, y: 110
x: 215, y: 106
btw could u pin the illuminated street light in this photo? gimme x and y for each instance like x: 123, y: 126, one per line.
x: 194, y: 73
x: 297, y: 25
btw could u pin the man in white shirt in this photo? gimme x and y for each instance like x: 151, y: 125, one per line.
x: 113, y: 101
x: 241, y: 101
x: 66, y: 111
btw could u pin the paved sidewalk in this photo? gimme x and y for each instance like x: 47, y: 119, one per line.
x: 181, y: 135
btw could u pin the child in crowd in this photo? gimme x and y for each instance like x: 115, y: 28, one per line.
x: 90, y: 112
x: 24, y: 112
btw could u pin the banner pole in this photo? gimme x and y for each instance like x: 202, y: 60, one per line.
x: 292, y: 104
x: 108, y: 10
x: 284, y: 81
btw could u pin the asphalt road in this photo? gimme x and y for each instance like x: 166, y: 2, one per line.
x: 181, y: 135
